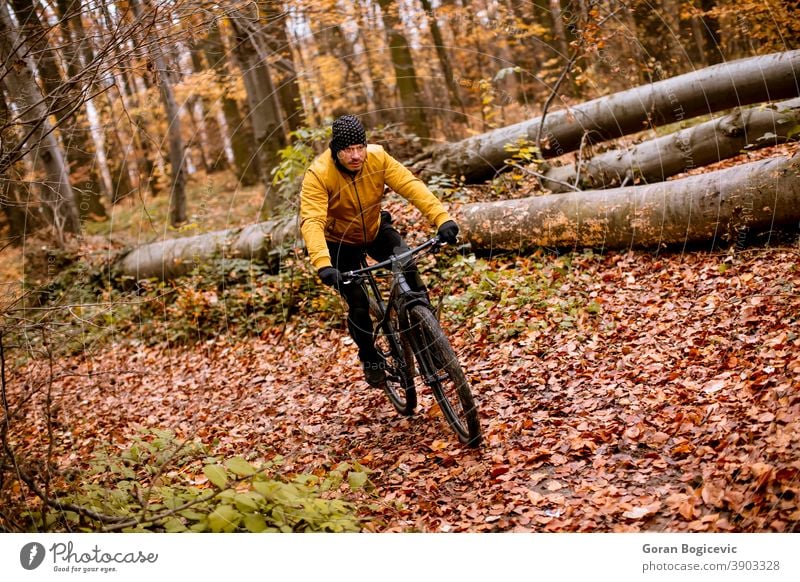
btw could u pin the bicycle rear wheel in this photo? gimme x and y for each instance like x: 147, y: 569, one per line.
x: 399, y: 357
x: 442, y: 372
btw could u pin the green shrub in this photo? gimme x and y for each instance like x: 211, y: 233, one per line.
x: 162, y: 484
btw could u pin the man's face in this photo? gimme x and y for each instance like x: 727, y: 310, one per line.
x: 353, y: 157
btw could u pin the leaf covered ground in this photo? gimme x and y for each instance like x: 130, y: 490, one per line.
x: 617, y: 391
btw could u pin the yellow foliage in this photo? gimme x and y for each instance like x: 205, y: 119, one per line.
x: 205, y: 85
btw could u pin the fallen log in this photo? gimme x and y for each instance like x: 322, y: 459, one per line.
x: 695, y: 147
x: 265, y: 242
x: 723, y: 86
x: 723, y: 206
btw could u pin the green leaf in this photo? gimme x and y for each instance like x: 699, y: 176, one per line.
x: 227, y: 495
x: 240, y: 467
x: 134, y: 454
x: 255, y: 523
x: 174, y: 525
x: 247, y: 501
x: 356, y: 479
x: 224, y: 519
x: 278, y: 515
x: 217, y: 475
x: 268, y: 489
x: 192, y: 514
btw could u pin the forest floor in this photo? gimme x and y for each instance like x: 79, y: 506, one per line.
x: 618, y: 391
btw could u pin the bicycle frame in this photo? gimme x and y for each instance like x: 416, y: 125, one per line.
x: 400, y: 291
x: 400, y: 295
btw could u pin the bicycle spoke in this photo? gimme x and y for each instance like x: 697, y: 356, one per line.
x: 444, y: 375
x: 399, y: 385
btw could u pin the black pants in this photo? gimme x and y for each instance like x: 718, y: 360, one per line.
x: 348, y: 258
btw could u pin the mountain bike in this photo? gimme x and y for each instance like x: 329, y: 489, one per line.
x: 412, y: 343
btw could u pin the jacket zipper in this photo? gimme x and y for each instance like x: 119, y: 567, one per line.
x: 361, y: 211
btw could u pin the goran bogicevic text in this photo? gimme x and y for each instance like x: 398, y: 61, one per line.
x: 687, y: 549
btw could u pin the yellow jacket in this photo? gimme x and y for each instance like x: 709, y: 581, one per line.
x: 346, y: 209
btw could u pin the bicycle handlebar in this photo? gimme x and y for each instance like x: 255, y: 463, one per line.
x: 435, y: 243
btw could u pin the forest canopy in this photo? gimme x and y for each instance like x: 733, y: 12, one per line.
x: 102, y: 100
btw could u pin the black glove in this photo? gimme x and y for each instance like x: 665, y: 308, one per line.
x: 448, y: 232
x: 331, y: 276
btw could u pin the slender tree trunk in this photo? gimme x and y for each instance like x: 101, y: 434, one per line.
x: 712, y: 89
x: 382, y: 97
x: 241, y: 132
x: 698, y: 36
x: 313, y: 115
x: 262, y: 100
x: 456, y: 104
x: 707, y: 143
x: 288, y: 87
x: 405, y: 74
x: 558, y: 29
x: 715, y: 208
x: 74, y: 127
x: 211, y: 143
x: 711, y: 38
x: 76, y: 130
x: 58, y: 198
x: 137, y: 144
x: 14, y: 193
x: 177, y: 198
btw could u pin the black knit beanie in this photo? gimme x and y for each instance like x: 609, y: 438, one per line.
x: 347, y: 131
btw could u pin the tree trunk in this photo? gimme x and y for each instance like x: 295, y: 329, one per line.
x: 558, y: 29
x: 707, y: 143
x: 724, y: 206
x: 211, y: 142
x: 241, y: 132
x: 288, y: 86
x: 383, y: 109
x: 456, y: 104
x: 58, y: 198
x: 404, y: 71
x: 262, y: 100
x: 710, y: 27
x: 177, y: 198
x: 14, y: 192
x: 119, y: 141
x: 73, y: 125
x: 266, y: 242
x: 719, y: 87
x: 76, y: 130
x: 35, y: 35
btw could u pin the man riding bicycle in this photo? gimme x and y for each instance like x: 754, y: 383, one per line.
x: 341, y: 219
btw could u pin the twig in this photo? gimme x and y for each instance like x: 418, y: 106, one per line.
x: 6, y: 411
x: 542, y: 176
x: 550, y: 98
x: 48, y: 404
x: 560, y: 80
x: 579, y: 165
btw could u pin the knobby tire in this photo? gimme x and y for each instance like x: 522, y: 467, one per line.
x: 395, y: 349
x: 447, y: 380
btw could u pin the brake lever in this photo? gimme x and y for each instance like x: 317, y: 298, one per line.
x: 349, y: 278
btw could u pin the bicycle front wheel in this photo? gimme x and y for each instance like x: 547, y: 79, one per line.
x: 399, y: 358
x: 441, y: 371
